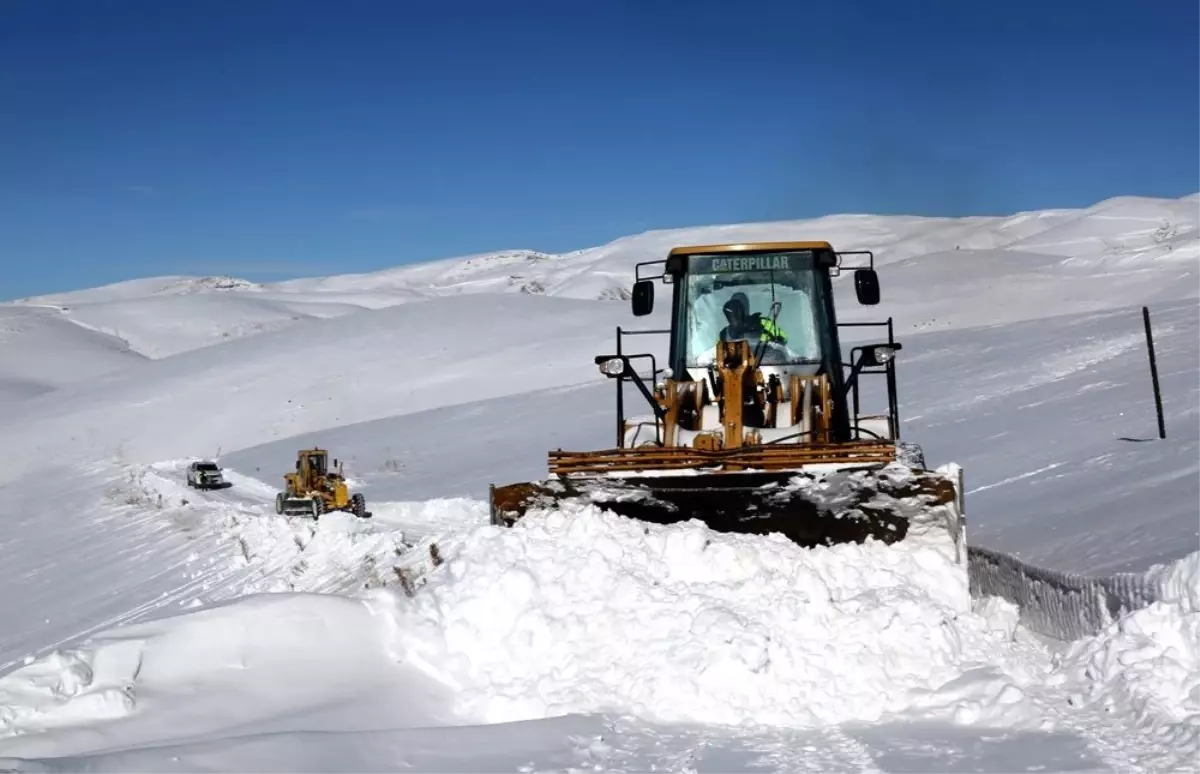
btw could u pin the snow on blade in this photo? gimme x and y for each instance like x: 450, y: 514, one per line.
x: 580, y: 610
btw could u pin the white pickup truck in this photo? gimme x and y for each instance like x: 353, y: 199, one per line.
x: 205, y: 475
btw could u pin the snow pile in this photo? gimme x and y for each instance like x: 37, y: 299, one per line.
x: 1177, y: 582
x: 1150, y: 658
x: 580, y: 610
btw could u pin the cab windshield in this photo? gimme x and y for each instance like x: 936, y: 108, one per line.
x: 768, y: 299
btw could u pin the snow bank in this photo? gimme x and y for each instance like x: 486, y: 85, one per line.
x: 1134, y: 638
x: 261, y: 658
x: 1177, y: 582
x: 580, y: 610
x: 1150, y: 658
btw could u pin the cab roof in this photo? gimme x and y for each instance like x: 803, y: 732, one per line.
x: 748, y: 247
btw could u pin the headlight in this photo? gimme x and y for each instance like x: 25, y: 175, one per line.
x: 884, y: 354
x: 614, y: 366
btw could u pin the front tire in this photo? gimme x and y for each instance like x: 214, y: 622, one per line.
x: 358, y: 505
x: 279, y: 503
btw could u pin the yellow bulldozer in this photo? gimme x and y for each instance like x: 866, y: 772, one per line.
x: 314, y: 488
x: 755, y: 422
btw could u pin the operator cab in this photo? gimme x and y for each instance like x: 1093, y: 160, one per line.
x: 776, y: 295
x: 314, y: 462
x: 773, y: 300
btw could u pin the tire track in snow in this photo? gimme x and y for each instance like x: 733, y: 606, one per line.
x: 852, y: 750
x: 633, y: 744
x: 828, y: 748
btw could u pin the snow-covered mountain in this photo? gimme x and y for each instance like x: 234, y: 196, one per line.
x: 1153, y: 243
x: 581, y: 641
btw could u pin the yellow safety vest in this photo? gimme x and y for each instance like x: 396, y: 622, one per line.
x: 772, y: 331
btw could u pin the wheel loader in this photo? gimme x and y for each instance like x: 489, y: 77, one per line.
x: 313, y: 488
x: 755, y: 423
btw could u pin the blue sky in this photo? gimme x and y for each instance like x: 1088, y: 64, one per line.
x: 279, y: 138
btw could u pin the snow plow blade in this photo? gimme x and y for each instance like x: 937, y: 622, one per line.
x: 821, y: 506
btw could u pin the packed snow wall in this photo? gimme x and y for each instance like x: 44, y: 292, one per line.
x: 1068, y: 606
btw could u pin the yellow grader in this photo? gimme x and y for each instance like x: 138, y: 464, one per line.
x: 755, y: 422
x: 314, y: 488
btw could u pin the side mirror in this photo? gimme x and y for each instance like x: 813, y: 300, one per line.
x: 643, y: 297
x: 866, y: 286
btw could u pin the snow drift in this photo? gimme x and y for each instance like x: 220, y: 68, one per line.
x: 225, y: 670
x: 44, y: 350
